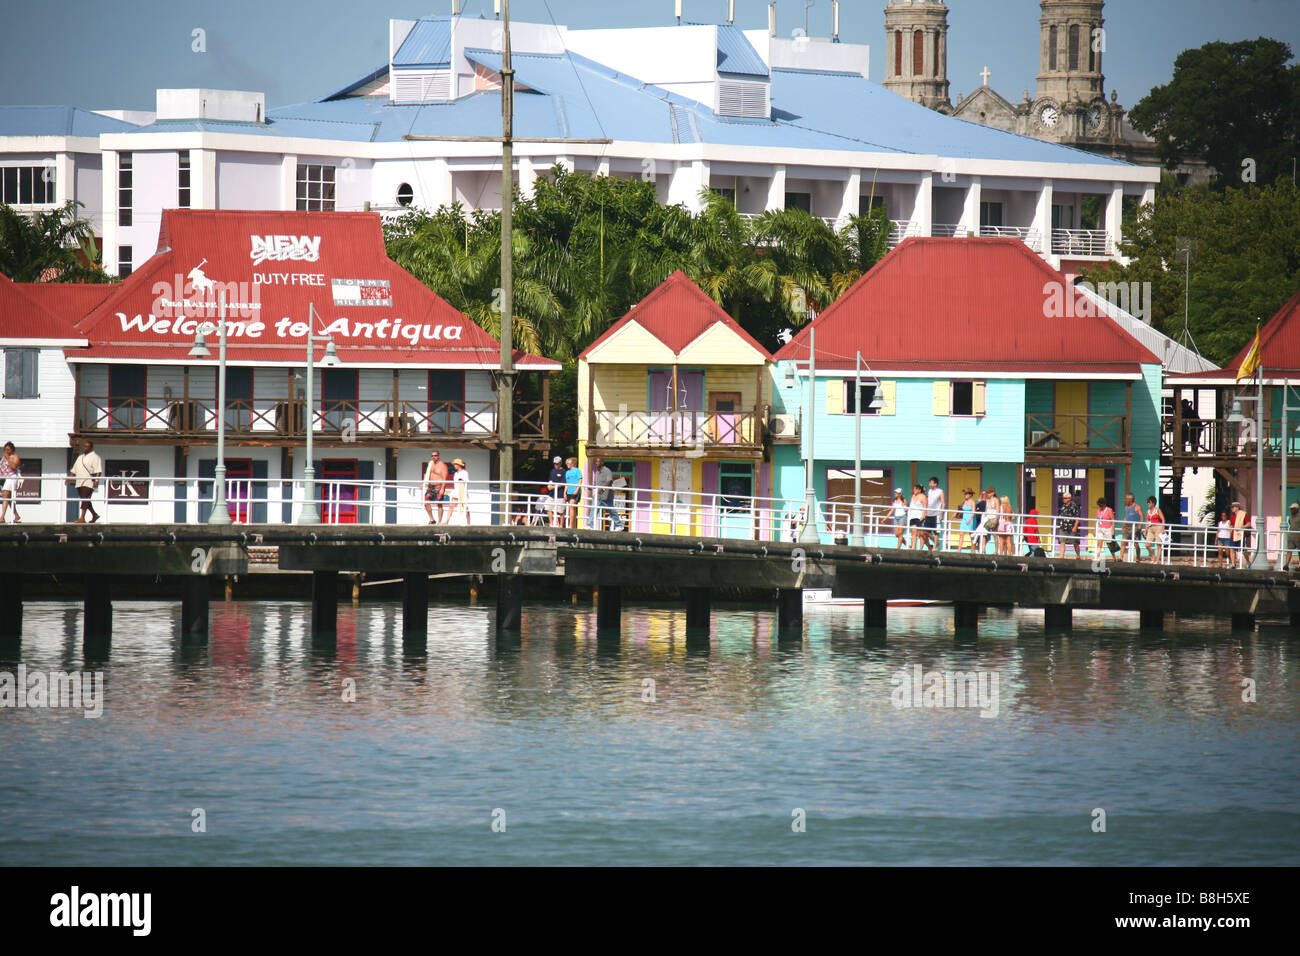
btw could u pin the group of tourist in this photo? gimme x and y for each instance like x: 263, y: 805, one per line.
x: 989, y: 518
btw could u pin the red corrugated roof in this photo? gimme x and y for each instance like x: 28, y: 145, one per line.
x: 967, y: 304
x: 677, y: 312
x: 274, y: 265
x: 1279, y: 342
x: 22, y: 316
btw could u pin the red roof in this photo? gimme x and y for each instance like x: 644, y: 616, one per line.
x: 69, y: 300
x: 969, y: 305
x: 1279, y: 341
x: 677, y: 312
x: 24, y: 316
x: 273, y: 266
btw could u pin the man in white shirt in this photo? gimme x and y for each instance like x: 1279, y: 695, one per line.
x: 86, y: 472
x: 935, y: 504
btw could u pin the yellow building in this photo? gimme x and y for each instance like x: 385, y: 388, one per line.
x: 675, y: 396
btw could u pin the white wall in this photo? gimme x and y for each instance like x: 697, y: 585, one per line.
x: 46, y: 420
x: 245, y: 181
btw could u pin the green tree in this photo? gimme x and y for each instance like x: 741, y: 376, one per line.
x: 53, y: 246
x: 1245, y: 262
x: 1232, y: 103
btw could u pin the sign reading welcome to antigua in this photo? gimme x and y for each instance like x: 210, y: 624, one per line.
x: 185, y: 306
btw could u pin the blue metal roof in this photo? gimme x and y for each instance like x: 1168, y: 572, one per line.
x: 737, y: 55
x: 57, y: 121
x: 428, y: 44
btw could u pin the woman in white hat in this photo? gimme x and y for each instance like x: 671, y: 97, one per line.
x: 459, y: 491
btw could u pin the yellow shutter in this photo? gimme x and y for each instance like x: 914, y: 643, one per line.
x: 887, y: 396
x: 979, y: 398
x: 942, y: 398
x: 835, y: 397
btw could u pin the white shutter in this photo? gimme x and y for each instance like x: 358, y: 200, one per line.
x: 421, y: 86
x: 738, y: 98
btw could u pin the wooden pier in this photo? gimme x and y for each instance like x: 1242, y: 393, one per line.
x: 194, y: 555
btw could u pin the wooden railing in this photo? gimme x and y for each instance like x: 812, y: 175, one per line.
x: 1062, y: 434
x: 1221, y: 438
x: 676, y: 429
x: 283, y: 418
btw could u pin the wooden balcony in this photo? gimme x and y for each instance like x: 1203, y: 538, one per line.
x: 1059, y: 437
x: 668, y: 430
x: 1220, y: 443
x: 280, y: 421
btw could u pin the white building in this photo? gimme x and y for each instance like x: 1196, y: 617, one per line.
x: 769, y: 121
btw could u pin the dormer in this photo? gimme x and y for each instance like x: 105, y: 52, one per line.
x: 419, y: 60
x: 744, y: 84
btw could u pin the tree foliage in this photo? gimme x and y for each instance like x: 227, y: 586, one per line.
x: 53, y: 246
x: 1245, y: 261
x: 1230, y: 102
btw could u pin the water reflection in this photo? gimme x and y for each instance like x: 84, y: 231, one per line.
x: 652, y: 723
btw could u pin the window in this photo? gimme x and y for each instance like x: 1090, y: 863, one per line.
x: 1062, y: 217
x: 990, y: 214
x: 405, y: 194
x: 918, y: 53
x: 728, y: 193
x: 898, y: 52
x: 868, y: 204
x: 183, y: 179
x: 1074, y: 46
x: 867, y: 395
x: 938, y: 68
x: 124, y: 189
x: 124, y: 254
x: 736, y: 486
x: 315, y: 187
x: 27, y: 185
x: 962, y: 399
x: 1051, y: 48
x: 21, y: 373
x: 799, y: 201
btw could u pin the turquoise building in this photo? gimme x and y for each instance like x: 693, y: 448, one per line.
x: 978, y: 364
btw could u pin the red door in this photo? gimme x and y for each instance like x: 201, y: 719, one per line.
x: 239, y: 488
x: 338, y: 492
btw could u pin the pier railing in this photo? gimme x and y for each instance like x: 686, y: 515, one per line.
x: 153, y: 500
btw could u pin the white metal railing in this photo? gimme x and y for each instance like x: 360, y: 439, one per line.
x: 1081, y: 242
x: 642, y: 510
x: 900, y: 229
x: 1024, y: 233
x: 945, y: 230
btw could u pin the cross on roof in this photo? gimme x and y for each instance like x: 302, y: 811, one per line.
x: 986, y: 74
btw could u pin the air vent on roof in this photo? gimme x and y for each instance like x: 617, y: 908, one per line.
x: 421, y: 86
x: 740, y: 98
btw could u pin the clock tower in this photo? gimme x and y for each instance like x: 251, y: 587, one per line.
x: 1069, y: 105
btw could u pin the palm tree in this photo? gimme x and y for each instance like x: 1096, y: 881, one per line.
x: 53, y: 246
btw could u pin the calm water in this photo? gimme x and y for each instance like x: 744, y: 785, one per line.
x: 743, y: 730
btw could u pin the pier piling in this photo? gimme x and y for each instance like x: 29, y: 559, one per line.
x: 966, y: 617
x: 1243, y: 622
x: 697, y: 608
x: 324, y: 603
x: 510, y: 601
x: 789, y: 609
x: 1151, y: 620
x: 194, y: 609
x: 415, y: 604
x: 875, y: 613
x: 1058, y: 617
x: 11, y: 607
x: 97, y: 609
x: 609, y: 607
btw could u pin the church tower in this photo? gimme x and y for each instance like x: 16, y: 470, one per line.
x: 916, y: 51
x: 1070, y: 102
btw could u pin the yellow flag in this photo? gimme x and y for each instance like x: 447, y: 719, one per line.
x: 1251, y: 362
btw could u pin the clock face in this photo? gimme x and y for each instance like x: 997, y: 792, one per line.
x: 1095, y: 116
x: 1049, y: 116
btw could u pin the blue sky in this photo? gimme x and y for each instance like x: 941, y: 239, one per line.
x: 115, y: 54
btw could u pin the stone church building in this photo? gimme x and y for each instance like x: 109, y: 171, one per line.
x: 1069, y: 104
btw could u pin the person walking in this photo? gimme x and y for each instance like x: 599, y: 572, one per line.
x: 555, y: 488
x: 1034, y: 535
x: 573, y: 491
x: 86, y: 472
x: 459, y: 492
x: 1067, y: 525
x: 916, y: 517
x: 1224, y: 539
x: 981, y: 515
x: 898, y: 515
x: 1156, y: 530
x: 601, y: 479
x: 435, y: 487
x: 969, y: 521
x: 10, y: 477
x: 1106, y: 528
x: 1006, y: 540
x: 936, y: 513
x: 1133, y: 522
x: 1240, y: 532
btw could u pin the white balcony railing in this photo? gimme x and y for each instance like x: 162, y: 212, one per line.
x: 1081, y: 242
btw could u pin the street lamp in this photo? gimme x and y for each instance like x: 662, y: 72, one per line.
x: 877, y: 403
x: 310, y: 514
x: 220, y: 513
x: 1260, y: 561
x: 1284, y: 554
x: 808, y: 534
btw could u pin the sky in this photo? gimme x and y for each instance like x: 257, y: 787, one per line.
x: 115, y: 54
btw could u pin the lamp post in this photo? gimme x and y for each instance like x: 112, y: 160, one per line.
x: 1284, y: 525
x: 877, y: 403
x: 220, y: 513
x: 310, y: 514
x: 808, y: 534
